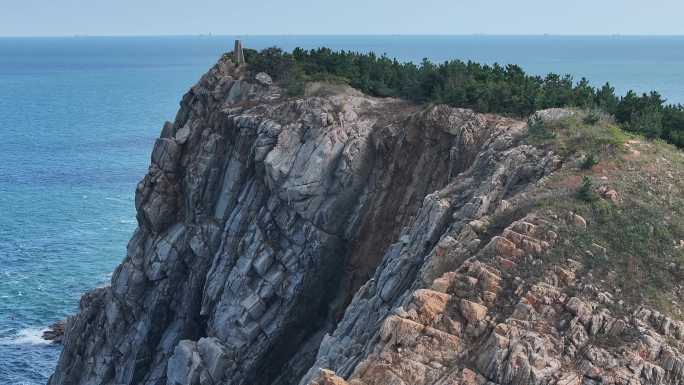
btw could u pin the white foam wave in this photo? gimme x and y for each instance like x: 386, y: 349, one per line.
x: 29, y: 336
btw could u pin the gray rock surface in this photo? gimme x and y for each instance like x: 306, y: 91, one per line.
x: 263, y: 78
x: 278, y: 237
x: 259, y: 219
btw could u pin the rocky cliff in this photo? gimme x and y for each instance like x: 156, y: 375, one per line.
x: 338, y: 238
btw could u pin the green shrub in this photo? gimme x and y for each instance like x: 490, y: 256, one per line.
x: 647, y: 122
x: 294, y: 82
x: 537, y: 129
x: 591, y: 118
x: 586, y: 190
x: 589, y: 161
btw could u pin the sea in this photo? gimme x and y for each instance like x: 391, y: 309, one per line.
x: 79, y: 115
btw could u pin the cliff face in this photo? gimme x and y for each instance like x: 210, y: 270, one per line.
x: 281, y: 236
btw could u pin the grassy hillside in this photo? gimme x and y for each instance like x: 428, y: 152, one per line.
x: 631, y: 197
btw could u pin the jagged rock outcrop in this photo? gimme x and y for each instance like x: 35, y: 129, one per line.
x: 482, y: 325
x: 343, y: 239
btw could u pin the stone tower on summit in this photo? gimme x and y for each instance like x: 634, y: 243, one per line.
x: 238, y: 55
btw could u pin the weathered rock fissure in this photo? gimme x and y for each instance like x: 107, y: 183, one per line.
x: 396, y: 278
x: 281, y: 236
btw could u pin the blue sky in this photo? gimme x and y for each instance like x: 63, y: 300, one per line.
x: 174, y: 17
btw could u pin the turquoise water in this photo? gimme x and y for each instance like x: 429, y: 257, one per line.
x: 78, y: 117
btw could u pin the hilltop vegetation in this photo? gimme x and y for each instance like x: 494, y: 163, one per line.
x: 484, y: 88
x: 628, y: 193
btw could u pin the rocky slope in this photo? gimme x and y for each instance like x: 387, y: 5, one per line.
x: 339, y: 238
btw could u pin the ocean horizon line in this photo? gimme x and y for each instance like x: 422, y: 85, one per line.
x: 209, y: 34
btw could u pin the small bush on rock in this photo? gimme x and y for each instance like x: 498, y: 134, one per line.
x: 586, y: 190
x: 589, y: 161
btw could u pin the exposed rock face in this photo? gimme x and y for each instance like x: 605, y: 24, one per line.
x: 278, y: 237
x: 509, y: 331
x: 263, y: 78
x: 55, y: 332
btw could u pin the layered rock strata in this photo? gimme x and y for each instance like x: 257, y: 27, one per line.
x: 338, y: 239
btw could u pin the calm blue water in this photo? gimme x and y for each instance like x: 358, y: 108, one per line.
x: 78, y: 117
